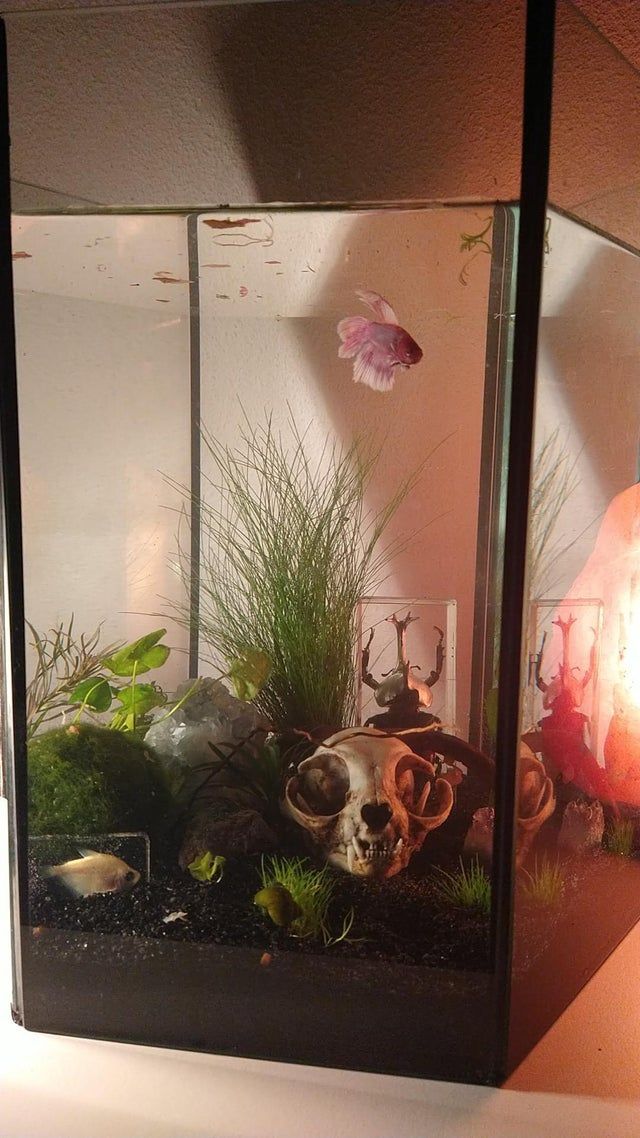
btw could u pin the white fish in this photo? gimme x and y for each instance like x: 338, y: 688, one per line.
x: 94, y: 872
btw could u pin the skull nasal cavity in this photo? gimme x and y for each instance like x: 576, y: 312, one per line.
x: 376, y: 816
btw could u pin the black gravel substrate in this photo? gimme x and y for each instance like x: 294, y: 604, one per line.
x: 401, y: 919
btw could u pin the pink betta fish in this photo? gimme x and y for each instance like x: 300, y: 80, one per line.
x: 376, y: 346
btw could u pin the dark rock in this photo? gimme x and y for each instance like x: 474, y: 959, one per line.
x: 233, y: 835
x: 479, y: 840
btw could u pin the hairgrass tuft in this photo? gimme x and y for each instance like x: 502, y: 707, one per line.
x: 312, y: 890
x: 544, y: 884
x: 468, y: 888
x: 619, y: 837
x: 288, y: 545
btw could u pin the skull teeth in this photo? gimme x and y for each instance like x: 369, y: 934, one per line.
x: 364, y: 851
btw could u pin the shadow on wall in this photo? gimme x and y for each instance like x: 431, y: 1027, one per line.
x: 594, y: 368
x: 383, y: 100
x: 437, y: 406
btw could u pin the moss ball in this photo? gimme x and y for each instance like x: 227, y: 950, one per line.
x: 86, y: 779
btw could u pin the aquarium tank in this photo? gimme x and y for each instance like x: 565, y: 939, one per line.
x: 320, y: 525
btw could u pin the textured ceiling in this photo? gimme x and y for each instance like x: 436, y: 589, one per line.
x: 619, y: 22
x: 191, y: 106
x: 606, y: 105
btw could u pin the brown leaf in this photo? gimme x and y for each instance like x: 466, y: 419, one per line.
x: 231, y: 222
x: 168, y: 278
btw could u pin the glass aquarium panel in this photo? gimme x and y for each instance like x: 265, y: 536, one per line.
x: 384, y: 643
x: 578, y: 890
x: 98, y: 314
x: 578, y: 887
x: 224, y: 506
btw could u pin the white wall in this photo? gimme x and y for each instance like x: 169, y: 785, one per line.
x: 103, y: 376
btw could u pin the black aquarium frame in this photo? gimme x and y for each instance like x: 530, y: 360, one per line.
x: 464, y: 1017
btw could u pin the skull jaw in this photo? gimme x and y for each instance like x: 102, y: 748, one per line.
x: 384, y: 862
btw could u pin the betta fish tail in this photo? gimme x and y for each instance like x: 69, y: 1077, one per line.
x: 368, y: 369
x: 353, y: 331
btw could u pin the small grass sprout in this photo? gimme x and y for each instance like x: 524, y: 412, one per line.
x: 544, y: 884
x: 311, y: 891
x: 619, y: 837
x: 468, y: 888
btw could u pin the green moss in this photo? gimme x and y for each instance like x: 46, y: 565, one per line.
x: 93, y: 780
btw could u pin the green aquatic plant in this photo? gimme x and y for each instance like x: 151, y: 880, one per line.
x: 288, y: 546
x: 72, y: 673
x: 469, y: 241
x: 63, y: 661
x: 467, y: 888
x: 88, y: 779
x: 249, y: 673
x: 310, y: 891
x: 544, y: 884
x: 100, y: 692
x: 119, y: 688
x: 619, y: 837
x: 476, y: 243
x: 208, y: 868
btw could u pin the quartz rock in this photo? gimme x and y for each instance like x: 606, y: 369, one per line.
x: 211, y: 715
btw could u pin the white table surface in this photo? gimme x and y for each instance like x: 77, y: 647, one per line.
x: 582, y: 1080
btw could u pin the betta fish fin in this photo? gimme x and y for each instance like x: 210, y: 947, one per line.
x: 353, y: 331
x: 84, y: 852
x: 381, y: 307
x: 368, y: 370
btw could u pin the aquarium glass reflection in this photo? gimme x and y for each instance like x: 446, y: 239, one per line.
x: 256, y: 467
x: 578, y: 891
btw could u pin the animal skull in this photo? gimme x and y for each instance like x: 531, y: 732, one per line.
x: 367, y: 801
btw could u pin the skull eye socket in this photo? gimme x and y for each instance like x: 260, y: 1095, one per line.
x: 414, y: 779
x: 323, y: 784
